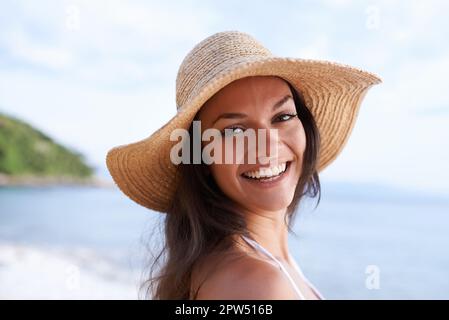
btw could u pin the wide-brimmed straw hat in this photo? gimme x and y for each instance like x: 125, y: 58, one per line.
x: 332, y: 92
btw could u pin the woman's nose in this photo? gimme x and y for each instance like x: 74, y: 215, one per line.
x: 266, y: 146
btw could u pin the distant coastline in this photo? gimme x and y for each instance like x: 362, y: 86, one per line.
x: 49, y: 181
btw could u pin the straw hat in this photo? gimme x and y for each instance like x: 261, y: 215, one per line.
x: 333, y: 92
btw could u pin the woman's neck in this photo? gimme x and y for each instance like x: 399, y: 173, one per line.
x: 269, y: 229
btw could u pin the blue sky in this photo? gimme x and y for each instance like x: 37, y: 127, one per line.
x: 95, y: 74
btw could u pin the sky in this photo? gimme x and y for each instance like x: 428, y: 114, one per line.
x: 96, y: 74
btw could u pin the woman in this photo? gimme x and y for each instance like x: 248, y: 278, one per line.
x: 227, y: 221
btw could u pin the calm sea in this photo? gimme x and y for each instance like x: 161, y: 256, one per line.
x: 362, y: 241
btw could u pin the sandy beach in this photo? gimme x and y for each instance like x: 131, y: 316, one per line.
x: 28, y: 272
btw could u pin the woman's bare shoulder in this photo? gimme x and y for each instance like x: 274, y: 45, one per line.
x: 245, y: 278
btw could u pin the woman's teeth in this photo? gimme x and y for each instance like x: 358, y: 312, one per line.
x: 264, y: 173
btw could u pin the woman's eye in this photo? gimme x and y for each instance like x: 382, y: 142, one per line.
x: 233, y: 131
x: 286, y: 117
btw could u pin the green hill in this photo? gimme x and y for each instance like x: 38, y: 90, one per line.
x: 25, y: 151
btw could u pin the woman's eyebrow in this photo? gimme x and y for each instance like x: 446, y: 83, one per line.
x: 236, y: 115
x: 230, y: 115
x: 281, y: 102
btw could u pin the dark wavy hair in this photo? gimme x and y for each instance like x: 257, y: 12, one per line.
x: 202, y: 219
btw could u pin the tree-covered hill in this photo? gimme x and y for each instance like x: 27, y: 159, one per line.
x: 26, y: 151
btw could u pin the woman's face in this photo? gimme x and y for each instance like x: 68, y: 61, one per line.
x: 252, y: 103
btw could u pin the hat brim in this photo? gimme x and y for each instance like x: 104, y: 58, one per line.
x: 333, y: 92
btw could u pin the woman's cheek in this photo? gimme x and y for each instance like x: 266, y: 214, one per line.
x: 225, y: 176
x: 295, y: 137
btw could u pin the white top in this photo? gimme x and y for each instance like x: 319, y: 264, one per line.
x: 258, y: 247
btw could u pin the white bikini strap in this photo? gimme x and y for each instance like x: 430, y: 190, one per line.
x: 298, y: 269
x: 265, y: 251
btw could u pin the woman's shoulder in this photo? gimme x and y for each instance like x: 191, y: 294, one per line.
x: 244, y: 277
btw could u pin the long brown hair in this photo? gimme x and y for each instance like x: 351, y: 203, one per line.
x: 202, y: 219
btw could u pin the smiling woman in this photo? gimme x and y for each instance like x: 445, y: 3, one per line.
x: 220, y: 202
x: 227, y: 223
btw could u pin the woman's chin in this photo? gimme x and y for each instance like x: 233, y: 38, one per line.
x: 273, y: 205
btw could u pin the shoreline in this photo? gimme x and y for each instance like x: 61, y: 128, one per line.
x: 51, y: 181
x: 67, y: 274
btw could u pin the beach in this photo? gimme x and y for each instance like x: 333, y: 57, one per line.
x: 28, y: 272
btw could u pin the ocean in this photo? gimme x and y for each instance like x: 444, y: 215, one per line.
x: 363, y: 241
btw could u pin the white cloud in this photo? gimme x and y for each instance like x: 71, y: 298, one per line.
x: 318, y: 48
x: 20, y: 46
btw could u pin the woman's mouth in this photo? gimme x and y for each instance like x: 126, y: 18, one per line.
x: 265, y: 175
